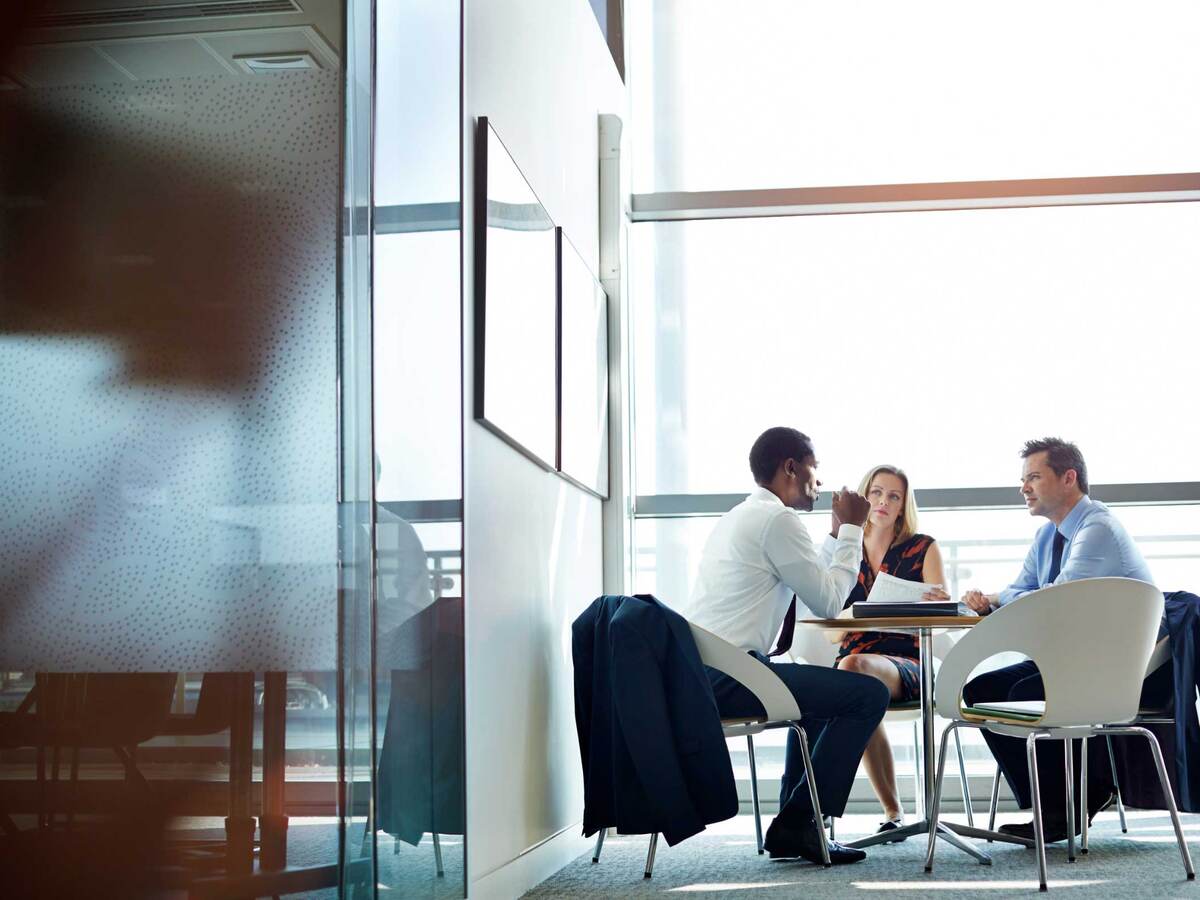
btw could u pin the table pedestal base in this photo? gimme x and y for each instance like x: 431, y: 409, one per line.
x: 950, y: 832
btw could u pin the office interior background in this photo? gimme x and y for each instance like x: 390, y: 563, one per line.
x: 238, y: 362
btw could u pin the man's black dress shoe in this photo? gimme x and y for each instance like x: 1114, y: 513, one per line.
x: 783, y: 842
x: 1053, y: 827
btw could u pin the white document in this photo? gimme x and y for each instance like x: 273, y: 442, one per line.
x: 890, y: 589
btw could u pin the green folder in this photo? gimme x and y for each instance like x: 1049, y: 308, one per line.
x: 991, y: 713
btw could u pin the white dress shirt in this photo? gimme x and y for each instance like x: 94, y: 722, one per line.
x: 759, y: 554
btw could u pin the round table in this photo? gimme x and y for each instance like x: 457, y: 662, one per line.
x: 923, y: 627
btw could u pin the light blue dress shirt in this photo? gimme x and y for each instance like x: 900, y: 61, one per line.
x: 1096, y: 545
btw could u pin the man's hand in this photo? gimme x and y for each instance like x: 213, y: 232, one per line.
x: 935, y: 592
x: 977, y: 601
x: 850, y: 507
x: 836, y: 523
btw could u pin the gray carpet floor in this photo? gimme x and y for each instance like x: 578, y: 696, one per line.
x: 722, y: 863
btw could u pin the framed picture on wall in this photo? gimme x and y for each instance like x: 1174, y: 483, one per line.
x: 516, y: 308
x: 583, y: 372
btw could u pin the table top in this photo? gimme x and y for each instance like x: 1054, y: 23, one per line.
x: 893, y: 623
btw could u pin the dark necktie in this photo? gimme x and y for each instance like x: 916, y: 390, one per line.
x: 787, y: 631
x: 1056, y: 556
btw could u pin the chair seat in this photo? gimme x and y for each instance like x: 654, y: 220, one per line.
x: 903, y: 711
x: 734, y: 723
x: 1167, y: 713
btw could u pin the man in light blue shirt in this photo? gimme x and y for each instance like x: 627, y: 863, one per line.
x: 1083, y: 539
x: 1094, y: 544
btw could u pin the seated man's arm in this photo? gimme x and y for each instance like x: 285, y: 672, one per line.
x: 828, y: 545
x: 1094, y: 553
x: 823, y: 588
x: 1026, y: 582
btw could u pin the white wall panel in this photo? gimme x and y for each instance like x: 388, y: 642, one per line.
x: 541, y: 72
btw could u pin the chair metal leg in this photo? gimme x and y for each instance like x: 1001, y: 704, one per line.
x: 1039, y: 834
x: 42, y: 821
x: 73, y: 797
x: 818, y: 821
x: 832, y: 828
x: 1069, y: 770
x: 995, y: 802
x: 599, y: 845
x: 437, y: 855
x: 650, y: 855
x: 918, y: 776
x: 962, y: 777
x: 754, y: 794
x: 937, y: 798
x: 52, y: 811
x: 1083, y: 796
x: 1166, y: 788
x: 1112, y: 761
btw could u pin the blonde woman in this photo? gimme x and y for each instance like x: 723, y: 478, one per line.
x: 891, y: 544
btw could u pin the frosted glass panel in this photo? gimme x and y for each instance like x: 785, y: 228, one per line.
x: 167, y: 370
x: 936, y: 341
x: 784, y: 93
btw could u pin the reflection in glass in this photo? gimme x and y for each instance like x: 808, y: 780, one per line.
x: 583, y: 355
x: 419, y: 827
x: 515, y: 315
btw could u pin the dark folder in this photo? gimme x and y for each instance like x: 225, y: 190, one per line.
x: 865, y: 610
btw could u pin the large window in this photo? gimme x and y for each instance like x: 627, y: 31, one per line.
x: 938, y: 341
x: 785, y: 93
x: 981, y: 548
x: 923, y: 234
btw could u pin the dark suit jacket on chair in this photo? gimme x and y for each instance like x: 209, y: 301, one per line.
x: 654, y: 756
x: 1174, y: 687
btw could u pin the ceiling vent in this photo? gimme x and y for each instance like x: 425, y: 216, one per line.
x: 174, y: 13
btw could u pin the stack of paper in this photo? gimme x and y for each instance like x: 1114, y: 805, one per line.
x: 892, y: 596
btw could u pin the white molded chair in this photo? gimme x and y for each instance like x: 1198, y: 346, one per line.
x: 781, y: 712
x: 1063, y: 628
x: 1159, y: 658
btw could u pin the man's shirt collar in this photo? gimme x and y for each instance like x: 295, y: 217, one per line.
x: 762, y: 493
x: 1074, y: 518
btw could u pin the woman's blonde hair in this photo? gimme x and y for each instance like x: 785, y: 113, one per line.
x: 906, y: 523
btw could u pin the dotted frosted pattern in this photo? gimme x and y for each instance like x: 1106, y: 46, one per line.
x: 168, y: 466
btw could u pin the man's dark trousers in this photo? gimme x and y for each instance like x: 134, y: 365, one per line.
x: 1023, y: 681
x: 840, y: 711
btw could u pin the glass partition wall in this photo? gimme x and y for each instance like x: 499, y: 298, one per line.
x: 806, y: 251
x: 230, y: 473
x: 420, y: 804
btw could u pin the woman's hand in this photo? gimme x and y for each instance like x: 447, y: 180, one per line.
x: 935, y: 592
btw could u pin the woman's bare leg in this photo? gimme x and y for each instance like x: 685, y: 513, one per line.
x: 877, y: 758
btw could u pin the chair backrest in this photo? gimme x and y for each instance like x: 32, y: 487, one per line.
x: 1161, y: 655
x: 1091, y: 640
x: 772, y: 693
